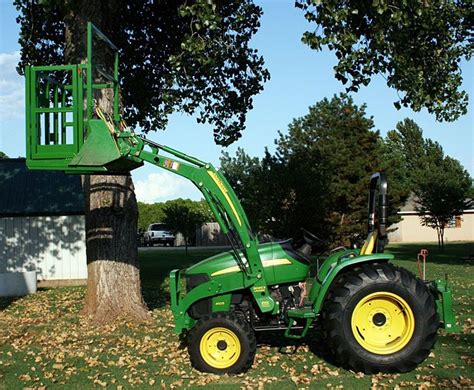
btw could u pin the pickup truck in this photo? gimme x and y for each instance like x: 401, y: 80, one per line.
x: 158, y: 233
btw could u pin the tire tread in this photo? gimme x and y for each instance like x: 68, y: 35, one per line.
x: 224, y: 317
x: 332, y: 316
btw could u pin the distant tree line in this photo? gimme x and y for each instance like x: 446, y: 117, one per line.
x: 318, y: 178
x: 156, y: 212
x: 319, y: 174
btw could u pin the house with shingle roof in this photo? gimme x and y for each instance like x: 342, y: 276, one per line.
x: 410, y: 229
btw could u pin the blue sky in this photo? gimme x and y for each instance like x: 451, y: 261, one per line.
x: 299, y: 78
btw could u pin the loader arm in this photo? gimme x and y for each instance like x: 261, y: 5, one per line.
x: 78, y: 141
x: 220, y: 197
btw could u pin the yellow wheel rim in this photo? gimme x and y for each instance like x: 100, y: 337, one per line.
x: 220, y: 347
x: 383, y: 323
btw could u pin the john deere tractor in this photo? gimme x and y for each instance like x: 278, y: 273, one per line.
x: 375, y: 316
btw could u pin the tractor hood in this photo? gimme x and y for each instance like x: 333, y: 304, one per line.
x: 282, y: 264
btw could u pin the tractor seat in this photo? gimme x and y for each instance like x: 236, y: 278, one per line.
x: 369, y: 244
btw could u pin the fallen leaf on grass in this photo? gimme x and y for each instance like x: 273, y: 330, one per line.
x: 25, y: 378
x: 100, y: 383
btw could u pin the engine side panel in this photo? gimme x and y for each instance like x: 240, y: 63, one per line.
x: 281, y: 264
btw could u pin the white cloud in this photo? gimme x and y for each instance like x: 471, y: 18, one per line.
x: 12, y: 87
x: 159, y: 187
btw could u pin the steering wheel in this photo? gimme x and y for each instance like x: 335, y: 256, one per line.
x: 311, y: 238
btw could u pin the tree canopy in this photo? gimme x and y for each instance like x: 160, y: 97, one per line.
x: 331, y: 153
x: 193, y: 57
x: 184, y: 216
x: 439, y: 183
x: 441, y: 195
x: 188, y: 56
x: 257, y: 184
x: 318, y: 177
x: 417, y: 46
x: 149, y: 213
x: 3, y: 155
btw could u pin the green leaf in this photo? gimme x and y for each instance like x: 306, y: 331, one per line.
x: 417, y: 46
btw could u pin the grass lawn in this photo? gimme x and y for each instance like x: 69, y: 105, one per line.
x: 44, y: 343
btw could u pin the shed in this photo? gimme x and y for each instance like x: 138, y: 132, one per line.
x: 42, y: 223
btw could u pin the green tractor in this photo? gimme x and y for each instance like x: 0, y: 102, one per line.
x: 375, y: 316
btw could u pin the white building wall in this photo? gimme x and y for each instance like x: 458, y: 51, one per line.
x: 53, y: 246
x: 411, y: 230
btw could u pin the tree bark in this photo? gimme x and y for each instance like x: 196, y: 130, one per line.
x: 439, y: 239
x: 442, y: 239
x: 113, y: 284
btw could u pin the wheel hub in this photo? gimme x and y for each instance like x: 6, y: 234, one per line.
x: 383, y: 323
x: 220, y: 347
x: 379, y: 319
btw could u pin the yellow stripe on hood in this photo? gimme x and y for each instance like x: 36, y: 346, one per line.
x: 266, y: 263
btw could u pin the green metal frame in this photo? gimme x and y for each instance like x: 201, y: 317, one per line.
x: 46, y: 94
x: 98, y: 146
x: 39, y: 102
x: 113, y: 80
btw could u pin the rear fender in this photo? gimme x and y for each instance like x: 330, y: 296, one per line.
x: 334, y: 266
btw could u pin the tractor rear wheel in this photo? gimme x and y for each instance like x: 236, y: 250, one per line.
x: 222, y: 343
x: 380, y: 318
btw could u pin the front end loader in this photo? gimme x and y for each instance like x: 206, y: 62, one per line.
x: 374, y: 315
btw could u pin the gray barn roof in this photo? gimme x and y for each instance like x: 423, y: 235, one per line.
x: 24, y: 192
x: 410, y: 205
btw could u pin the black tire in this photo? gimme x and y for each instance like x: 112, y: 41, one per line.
x: 358, y: 286
x: 238, y: 327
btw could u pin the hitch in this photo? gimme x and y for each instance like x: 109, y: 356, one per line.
x: 444, y: 303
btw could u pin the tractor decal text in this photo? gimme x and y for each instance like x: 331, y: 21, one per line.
x: 171, y: 164
x: 265, y: 303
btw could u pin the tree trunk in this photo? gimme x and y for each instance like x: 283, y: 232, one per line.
x: 185, y: 238
x: 441, y: 233
x: 113, y: 285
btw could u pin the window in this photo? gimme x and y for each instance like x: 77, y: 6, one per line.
x: 455, y: 222
x: 159, y: 226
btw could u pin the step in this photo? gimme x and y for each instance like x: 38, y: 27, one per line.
x: 303, y: 312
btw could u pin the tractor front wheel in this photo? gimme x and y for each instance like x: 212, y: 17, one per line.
x: 222, y: 344
x: 380, y: 318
